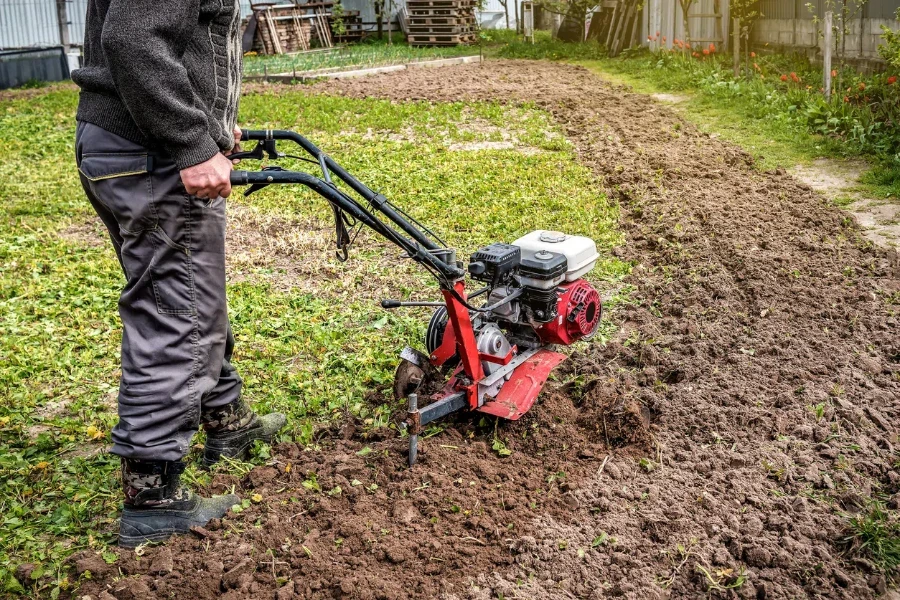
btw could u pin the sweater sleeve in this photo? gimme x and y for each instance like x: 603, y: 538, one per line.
x: 144, y: 42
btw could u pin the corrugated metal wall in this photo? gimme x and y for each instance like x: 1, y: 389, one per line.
x: 27, y: 23
x: 670, y: 25
x: 798, y: 9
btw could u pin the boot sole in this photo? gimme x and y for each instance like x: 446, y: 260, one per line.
x: 133, y: 541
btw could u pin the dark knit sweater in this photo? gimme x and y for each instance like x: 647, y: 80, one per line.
x: 163, y: 73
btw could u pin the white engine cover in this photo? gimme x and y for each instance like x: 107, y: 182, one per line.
x: 580, y: 252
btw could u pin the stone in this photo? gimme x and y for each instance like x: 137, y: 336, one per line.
x: 232, y: 578
x: 162, y: 563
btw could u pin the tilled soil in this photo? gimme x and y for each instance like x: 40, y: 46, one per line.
x: 762, y: 345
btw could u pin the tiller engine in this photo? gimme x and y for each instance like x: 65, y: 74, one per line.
x: 489, y: 350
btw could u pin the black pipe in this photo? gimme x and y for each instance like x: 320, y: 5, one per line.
x: 377, y: 200
x: 338, y: 198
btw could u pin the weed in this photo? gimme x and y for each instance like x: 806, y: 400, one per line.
x: 722, y: 579
x: 818, y: 410
x: 875, y: 534
x: 647, y: 465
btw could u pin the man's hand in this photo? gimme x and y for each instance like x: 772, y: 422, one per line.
x: 210, y: 179
x: 237, y: 144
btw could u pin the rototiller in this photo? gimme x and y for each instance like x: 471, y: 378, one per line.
x: 493, y: 358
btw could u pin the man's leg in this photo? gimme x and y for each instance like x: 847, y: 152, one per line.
x: 231, y: 425
x: 175, y: 326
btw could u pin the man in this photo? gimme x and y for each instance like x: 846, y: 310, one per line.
x: 156, y: 120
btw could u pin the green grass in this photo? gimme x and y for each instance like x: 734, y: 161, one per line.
x: 874, y: 534
x: 317, y: 357
x: 884, y: 180
x: 370, y: 53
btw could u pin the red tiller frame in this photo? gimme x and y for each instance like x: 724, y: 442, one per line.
x: 462, y: 333
x: 459, y: 339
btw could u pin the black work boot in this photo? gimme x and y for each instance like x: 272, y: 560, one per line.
x: 157, y: 506
x: 232, y: 429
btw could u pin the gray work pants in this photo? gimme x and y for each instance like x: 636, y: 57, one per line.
x: 176, y: 338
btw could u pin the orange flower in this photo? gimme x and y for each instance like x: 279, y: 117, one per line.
x: 846, y: 99
x: 712, y: 47
x: 892, y: 80
x: 756, y: 66
x: 706, y: 52
x: 794, y: 78
x: 784, y: 77
x: 753, y: 55
x: 862, y: 86
x: 664, y: 39
x: 834, y: 72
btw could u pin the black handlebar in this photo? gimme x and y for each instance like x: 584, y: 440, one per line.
x: 420, y: 248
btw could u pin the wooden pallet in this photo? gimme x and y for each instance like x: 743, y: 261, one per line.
x: 440, y: 22
x: 441, y: 13
x: 420, y: 21
x: 462, y: 38
x: 413, y: 5
x: 440, y: 29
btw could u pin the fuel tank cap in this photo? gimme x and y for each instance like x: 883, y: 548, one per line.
x: 552, y: 237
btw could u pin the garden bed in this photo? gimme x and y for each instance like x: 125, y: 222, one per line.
x: 721, y: 443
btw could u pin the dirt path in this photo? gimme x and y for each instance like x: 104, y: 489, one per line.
x: 839, y: 182
x: 763, y: 344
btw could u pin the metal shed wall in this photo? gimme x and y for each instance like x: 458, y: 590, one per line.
x: 791, y: 24
x: 665, y: 17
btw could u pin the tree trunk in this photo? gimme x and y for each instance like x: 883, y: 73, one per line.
x: 685, y: 9
x: 506, y: 11
x: 379, y: 15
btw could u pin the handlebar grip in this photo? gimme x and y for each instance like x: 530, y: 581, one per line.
x: 388, y: 304
x: 260, y: 134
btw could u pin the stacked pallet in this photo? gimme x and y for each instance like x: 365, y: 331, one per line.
x: 353, y: 27
x: 440, y: 22
x: 287, y: 28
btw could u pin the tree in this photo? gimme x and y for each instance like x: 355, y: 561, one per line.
x: 685, y: 8
x: 844, y: 12
x: 575, y: 12
x: 747, y: 11
x: 890, y: 50
x: 379, y: 17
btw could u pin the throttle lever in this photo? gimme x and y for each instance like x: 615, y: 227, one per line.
x: 259, y: 153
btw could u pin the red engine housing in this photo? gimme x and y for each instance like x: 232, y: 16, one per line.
x: 579, y: 311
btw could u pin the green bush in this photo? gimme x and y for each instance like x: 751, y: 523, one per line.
x: 890, y: 50
x: 544, y: 47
